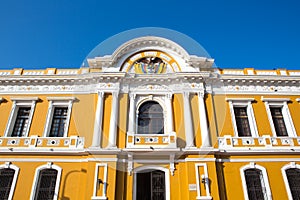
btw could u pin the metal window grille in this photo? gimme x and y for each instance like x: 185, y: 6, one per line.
x: 58, y: 122
x: 255, y: 186
x: 150, y: 118
x: 21, y: 123
x: 278, y: 121
x: 293, y: 176
x: 6, y: 179
x: 242, y: 122
x: 46, y: 184
x: 151, y: 185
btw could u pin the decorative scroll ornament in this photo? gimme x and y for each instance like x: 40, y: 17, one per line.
x: 150, y: 65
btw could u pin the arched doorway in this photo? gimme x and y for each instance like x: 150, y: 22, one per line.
x: 151, y: 184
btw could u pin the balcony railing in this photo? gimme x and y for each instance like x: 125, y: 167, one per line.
x: 72, y: 142
x: 228, y: 142
x: 151, y: 140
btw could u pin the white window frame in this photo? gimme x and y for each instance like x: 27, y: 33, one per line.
x: 104, y: 181
x: 14, y: 182
x: 285, y: 179
x: 49, y: 165
x: 150, y: 167
x: 287, y: 118
x: 243, y: 102
x: 265, y: 179
x: 58, y: 102
x: 17, y: 103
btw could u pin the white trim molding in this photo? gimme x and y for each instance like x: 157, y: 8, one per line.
x: 202, y: 178
x: 247, y: 103
x: 49, y: 165
x: 14, y: 182
x: 152, y: 168
x: 100, y: 179
x: 291, y: 165
x: 17, y: 103
x: 264, y: 180
x: 287, y: 118
x: 58, y: 102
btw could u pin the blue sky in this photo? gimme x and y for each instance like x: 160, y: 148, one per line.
x: 237, y: 34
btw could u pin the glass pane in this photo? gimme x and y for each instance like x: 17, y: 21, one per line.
x: 242, y: 122
x: 21, y: 123
x: 58, y: 122
x: 150, y: 118
x: 255, y: 188
x: 278, y: 121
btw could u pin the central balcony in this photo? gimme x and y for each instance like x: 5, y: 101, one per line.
x: 151, y: 140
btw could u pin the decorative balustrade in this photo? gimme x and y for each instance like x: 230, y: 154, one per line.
x: 228, y: 142
x: 72, y: 142
x: 151, y: 140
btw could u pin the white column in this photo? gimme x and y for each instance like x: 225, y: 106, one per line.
x: 188, y: 123
x: 168, y: 101
x: 203, y: 120
x: 131, y: 121
x: 113, y: 121
x: 98, y: 121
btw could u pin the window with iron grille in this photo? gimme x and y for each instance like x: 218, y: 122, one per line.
x: 46, y: 183
x: 150, y: 118
x: 293, y: 176
x: 242, y: 122
x: 58, y: 124
x: 255, y: 186
x: 6, y: 179
x: 21, y: 122
x: 278, y: 121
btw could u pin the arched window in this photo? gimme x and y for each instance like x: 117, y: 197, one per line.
x: 291, y: 177
x: 150, y: 118
x: 255, y: 182
x: 46, y: 184
x: 6, y: 182
x: 47, y: 180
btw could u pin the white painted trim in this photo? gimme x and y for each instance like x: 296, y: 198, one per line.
x: 105, y: 175
x: 265, y: 181
x: 49, y: 165
x: 287, y: 118
x: 285, y: 179
x: 243, y: 102
x: 58, y: 102
x: 258, y: 160
x: 14, y: 182
x: 152, y: 167
x: 206, y: 181
x: 17, y: 103
x: 275, y: 99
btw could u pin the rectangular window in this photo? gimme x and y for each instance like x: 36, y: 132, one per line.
x: 242, y: 122
x: 21, y: 115
x: 58, y: 124
x: 242, y: 116
x: 278, y: 121
x: 21, y: 122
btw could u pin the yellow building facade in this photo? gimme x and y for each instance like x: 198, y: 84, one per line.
x: 152, y: 120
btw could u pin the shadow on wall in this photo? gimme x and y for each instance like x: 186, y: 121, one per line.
x: 65, y: 182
